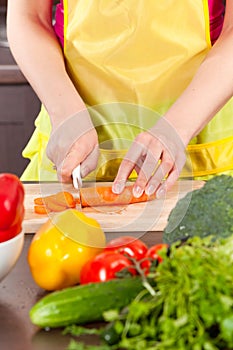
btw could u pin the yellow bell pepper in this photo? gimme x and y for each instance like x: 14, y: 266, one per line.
x: 62, y: 246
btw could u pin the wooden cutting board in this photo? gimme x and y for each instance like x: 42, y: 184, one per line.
x: 139, y: 217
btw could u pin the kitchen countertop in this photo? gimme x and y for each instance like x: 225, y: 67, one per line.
x: 18, y: 293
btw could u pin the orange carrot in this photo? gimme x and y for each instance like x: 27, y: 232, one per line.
x: 98, y: 196
x: 90, y: 197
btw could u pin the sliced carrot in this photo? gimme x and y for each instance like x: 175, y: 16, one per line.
x: 90, y: 197
x: 61, y: 198
x: 53, y: 206
x: 56, y: 202
x: 65, y: 198
x: 48, y: 207
x: 38, y: 201
x: 97, y: 196
x: 41, y: 209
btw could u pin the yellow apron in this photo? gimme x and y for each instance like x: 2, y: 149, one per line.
x: 130, y: 60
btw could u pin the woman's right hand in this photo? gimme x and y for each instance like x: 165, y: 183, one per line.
x: 74, y: 142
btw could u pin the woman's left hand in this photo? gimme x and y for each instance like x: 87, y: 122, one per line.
x: 157, y: 154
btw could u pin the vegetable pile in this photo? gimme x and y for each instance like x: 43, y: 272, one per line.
x: 203, y: 212
x: 100, y: 286
x: 184, y: 303
x: 175, y: 295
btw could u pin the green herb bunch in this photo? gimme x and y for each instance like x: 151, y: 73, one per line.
x: 191, y: 307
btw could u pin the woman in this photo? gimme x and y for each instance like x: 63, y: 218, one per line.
x: 120, y: 65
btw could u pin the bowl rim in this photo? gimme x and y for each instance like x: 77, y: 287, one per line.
x: 20, y: 234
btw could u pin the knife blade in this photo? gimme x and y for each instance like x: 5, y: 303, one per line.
x: 77, y: 181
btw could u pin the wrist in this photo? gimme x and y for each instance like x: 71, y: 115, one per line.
x: 182, y: 128
x: 60, y: 115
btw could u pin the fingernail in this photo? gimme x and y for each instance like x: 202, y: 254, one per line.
x: 150, y: 190
x: 118, y: 187
x: 160, y: 193
x: 137, y: 191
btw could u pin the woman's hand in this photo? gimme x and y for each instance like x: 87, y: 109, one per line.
x: 74, y: 142
x: 156, y: 155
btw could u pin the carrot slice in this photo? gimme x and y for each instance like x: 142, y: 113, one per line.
x: 65, y: 198
x: 41, y: 209
x: 38, y: 201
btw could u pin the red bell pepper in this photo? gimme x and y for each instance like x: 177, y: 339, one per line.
x: 11, y: 206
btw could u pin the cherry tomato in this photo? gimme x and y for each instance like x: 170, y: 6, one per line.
x: 152, y: 254
x: 128, y: 245
x: 103, y: 267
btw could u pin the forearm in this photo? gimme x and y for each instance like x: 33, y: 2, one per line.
x: 209, y: 90
x: 38, y: 53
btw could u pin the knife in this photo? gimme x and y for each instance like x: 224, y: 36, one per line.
x: 77, y: 181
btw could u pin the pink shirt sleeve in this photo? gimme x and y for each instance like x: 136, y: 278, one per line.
x: 216, y: 11
x: 59, y: 22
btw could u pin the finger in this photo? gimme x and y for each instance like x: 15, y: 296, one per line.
x: 123, y: 173
x: 166, y: 165
x: 168, y: 183
x: 172, y: 175
x: 90, y: 163
x: 148, y: 168
x: 127, y: 165
x: 77, y: 154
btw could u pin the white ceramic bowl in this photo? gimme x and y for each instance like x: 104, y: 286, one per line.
x: 9, y: 253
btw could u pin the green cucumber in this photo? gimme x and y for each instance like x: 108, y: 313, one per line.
x: 84, y: 303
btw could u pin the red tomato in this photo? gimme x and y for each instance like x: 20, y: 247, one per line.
x: 104, y: 267
x: 128, y: 245
x: 152, y: 253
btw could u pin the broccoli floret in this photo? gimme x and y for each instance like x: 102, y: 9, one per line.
x: 203, y: 212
